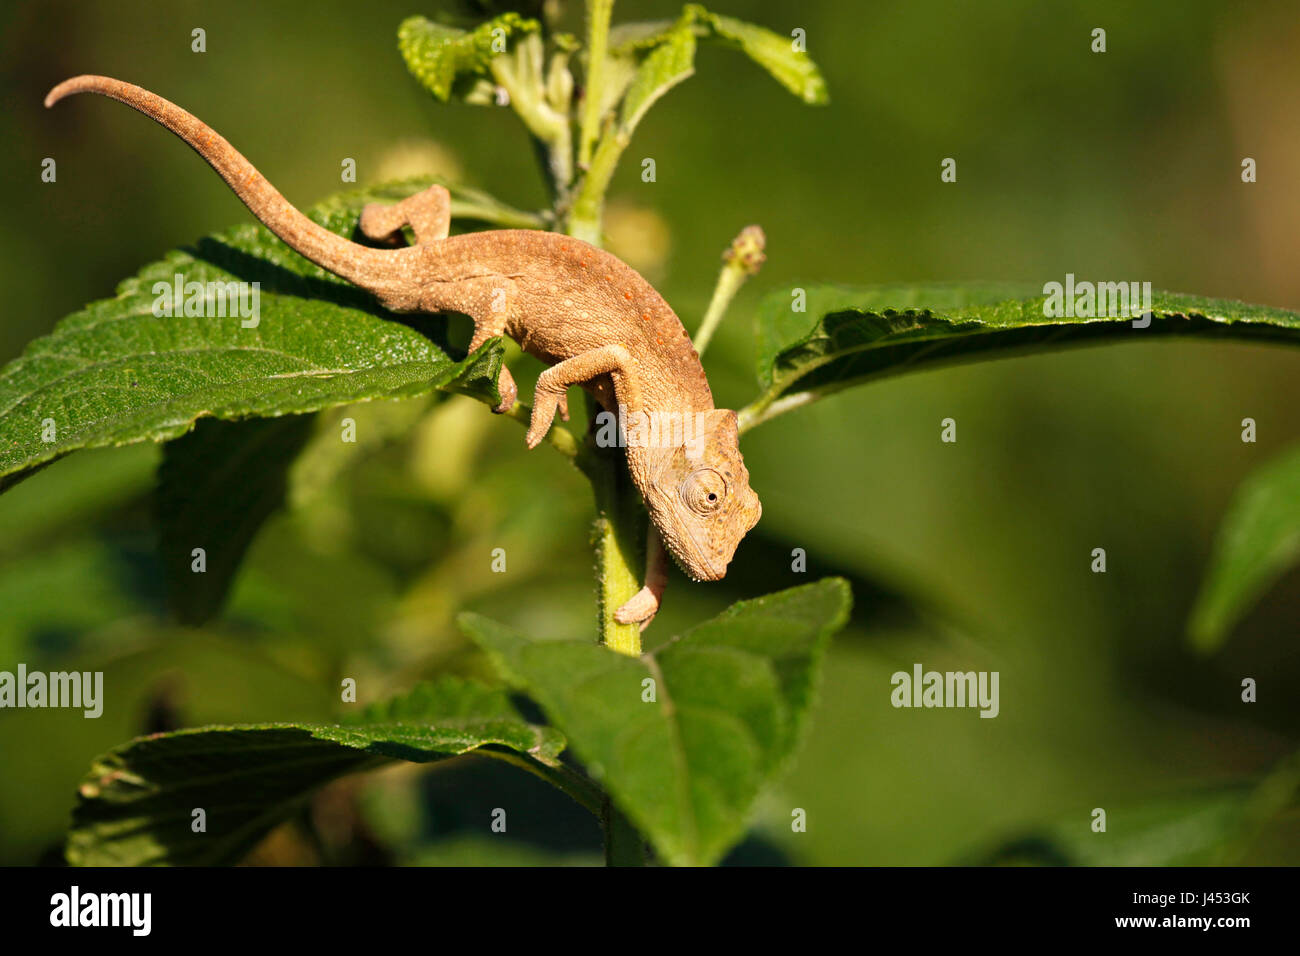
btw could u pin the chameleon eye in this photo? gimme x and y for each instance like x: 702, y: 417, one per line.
x: 703, y: 491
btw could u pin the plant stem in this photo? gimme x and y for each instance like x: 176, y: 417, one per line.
x: 623, y: 844
x: 618, y: 533
x: 764, y: 408
x: 498, y: 216
x: 588, y: 208
x: 598, y: 16
x: 742, y: 259
x: 521, y: 77
x: 618, y: 537
x: 588, y: 204
x: 561, y: 439
x: 585, y: 793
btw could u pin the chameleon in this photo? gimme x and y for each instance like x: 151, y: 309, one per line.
x: 593, y: 319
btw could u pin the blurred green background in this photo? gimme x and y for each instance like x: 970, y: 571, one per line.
x: 1120, y: 166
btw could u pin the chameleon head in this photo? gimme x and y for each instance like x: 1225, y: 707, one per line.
x: 699, y: 496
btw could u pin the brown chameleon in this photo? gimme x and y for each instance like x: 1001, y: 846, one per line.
x: 592, y: 318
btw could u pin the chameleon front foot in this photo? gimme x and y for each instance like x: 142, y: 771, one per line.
x: 551, y: 393
x: 641, y: 609
x: 644, y: 605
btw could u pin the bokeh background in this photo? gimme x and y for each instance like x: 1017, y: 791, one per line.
x: 1120, y: 166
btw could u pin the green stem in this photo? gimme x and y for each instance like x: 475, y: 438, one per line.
x: 623, y: 844
x: 741, y: 260
x: 521, y: 77
x: 497, y: 216
x: 618, y: 534
x: 583, y: 791
x: 730, y: 280
x: 768, y: 405
x: 765, y: 408
x: 588, y: 208
x: 618, y: 537
x: 598, y: 16
x: 561, y: 439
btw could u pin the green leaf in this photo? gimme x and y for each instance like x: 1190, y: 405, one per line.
x: 668, y: 64
x: 793, y: 69
x: 732, y: 697
x: 638, y: 75
x: 115, y: 373
x: 470, y: 203
x: 72, y: 495
x: 639, y: 80
x: 216, y: 486
x: 846, y: 336
x: 136, y: 804
x: 1258, y: 540
x: 467, y: 850
x: 53, y: 599
x: 1212, y: 826
x: 1186, y: 831
x: 638, y: 36
x: 440, y: 55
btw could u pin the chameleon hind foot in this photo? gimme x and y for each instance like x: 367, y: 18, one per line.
x: 428, y: 213
x: 506, y: 386
x: 508, y: 391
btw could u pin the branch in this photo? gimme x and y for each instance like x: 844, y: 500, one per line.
x: 598, y: 15
x: 521, y: 76
x: 561, y: 439
x: 743, y: 258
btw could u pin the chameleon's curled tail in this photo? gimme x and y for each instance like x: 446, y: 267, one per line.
x: 354, y: 262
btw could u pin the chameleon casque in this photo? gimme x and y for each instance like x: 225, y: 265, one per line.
x: 589, y: 316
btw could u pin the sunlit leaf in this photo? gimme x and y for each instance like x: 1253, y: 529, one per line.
x: 684, y: 737
x: 790, y: 66
x: 440, y: 55
x: 815, y: 340
x: 116, y: 373
x: 780, y: 56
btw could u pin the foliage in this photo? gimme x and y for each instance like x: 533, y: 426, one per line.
x: 673, y: 747
x: 1258, y: 542
x: 137, y: 800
